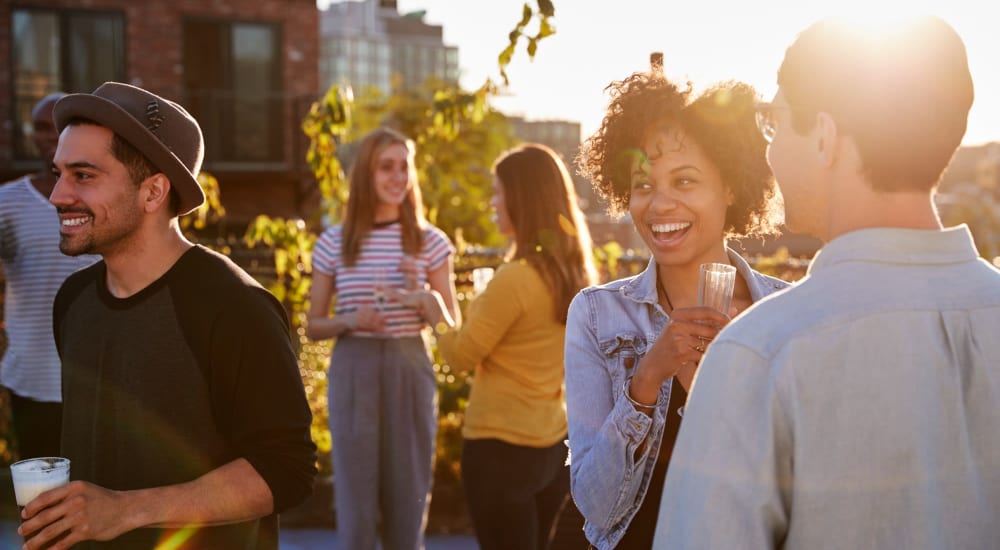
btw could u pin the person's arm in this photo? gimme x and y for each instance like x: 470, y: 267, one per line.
x: 442, y: 280
x: 258, y: 398
x: 489, y: 317
x: 730, y: 477
x: 319, y: 324
x: 439, y: 254
x: 231, y: 493
x: 606, y: 433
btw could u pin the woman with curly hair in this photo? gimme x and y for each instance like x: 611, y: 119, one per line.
x: 691, y: 171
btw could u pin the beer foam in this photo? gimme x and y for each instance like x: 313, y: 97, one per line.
x: 35, y: 466
x: 35, y: 476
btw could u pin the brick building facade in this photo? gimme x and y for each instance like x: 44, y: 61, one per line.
x: 246, y: 69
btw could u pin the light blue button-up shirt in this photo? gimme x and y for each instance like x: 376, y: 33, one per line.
x: 608, y: 330
x: 860, y: 409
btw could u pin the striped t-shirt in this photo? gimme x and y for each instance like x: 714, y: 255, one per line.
x: 377, y: 267
x: 35, y: 269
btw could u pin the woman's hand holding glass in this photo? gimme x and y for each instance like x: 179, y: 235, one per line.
x: 677, y: 352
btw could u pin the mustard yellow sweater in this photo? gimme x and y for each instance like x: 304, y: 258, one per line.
x: 512, y: 339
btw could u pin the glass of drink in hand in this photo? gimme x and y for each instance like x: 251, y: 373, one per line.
x: 34, y: 476
x: 715, y: 286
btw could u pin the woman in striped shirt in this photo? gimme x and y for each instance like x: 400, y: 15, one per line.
x: 383, y: 395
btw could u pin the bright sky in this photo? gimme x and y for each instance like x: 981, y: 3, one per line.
x: 598, y: 41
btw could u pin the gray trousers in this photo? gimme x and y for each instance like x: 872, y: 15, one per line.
x: 383, y: 423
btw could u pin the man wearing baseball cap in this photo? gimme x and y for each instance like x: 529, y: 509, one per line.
x: 185, y: 418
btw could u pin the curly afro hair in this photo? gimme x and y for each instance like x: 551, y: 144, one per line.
x: 721, y: 120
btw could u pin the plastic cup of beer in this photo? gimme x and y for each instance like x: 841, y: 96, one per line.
x: 34, y: 476
x: 715, y: 286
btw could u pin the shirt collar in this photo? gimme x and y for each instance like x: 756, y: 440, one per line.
x: 898, y: 246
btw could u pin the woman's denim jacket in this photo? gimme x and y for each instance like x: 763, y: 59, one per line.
x: 608, y: 330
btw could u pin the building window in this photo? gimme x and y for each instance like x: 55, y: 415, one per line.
x: 232, y: 85
x: 451, y: 64
x: 60, y: 50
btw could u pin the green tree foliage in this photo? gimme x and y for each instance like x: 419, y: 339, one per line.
x: 543, y: 14
x: 210, y: 211
x: 327, y: 125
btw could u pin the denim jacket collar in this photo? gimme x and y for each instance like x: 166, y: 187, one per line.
x: 642, y: 288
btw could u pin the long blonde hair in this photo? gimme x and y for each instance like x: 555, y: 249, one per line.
x: 549, y: 230
x: 360, y: 216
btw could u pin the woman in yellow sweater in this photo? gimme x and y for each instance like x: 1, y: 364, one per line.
x: 514, y: 459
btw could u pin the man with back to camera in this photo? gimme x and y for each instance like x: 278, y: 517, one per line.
x: 858, y: 409
x: 34, y: 269
x: 185, y: 417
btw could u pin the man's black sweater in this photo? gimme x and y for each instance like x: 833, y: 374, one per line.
x: 192, y: 372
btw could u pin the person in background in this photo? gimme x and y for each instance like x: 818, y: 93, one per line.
x: 691, y: 172
x: 184, y: 418
x: 34, y: 269
x: 382, y: 388
x: 859, y: 409
x: 514, y: 456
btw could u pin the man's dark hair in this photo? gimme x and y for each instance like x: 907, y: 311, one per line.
x: 138, y: 165
x: 902, y: 93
